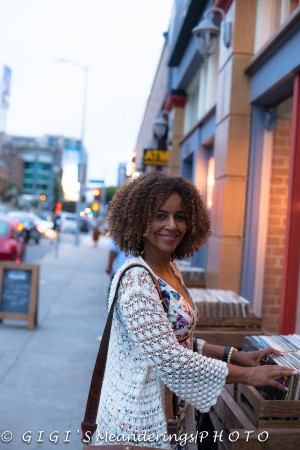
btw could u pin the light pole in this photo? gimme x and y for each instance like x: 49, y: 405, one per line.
x: 84, y: 68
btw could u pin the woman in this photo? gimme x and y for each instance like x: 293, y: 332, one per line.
x: 157, y: 218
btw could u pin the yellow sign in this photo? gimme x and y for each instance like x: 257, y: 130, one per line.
x: 155, y: 157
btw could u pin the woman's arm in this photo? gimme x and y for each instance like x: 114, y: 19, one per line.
x: 240, y: 358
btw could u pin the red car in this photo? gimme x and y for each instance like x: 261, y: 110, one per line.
x: 12, y: 242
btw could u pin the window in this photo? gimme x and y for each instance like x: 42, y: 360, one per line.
x: 44, y: 177
x: 4, y: 227
x: 29, y: 165
x: 42, y: 186
x: 210, y: 182
x: 191, y: 107
x: 43, y: 166
x: 271, y: 14
x: 208, y: 84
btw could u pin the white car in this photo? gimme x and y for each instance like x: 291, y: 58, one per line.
x: 42, y: 225
x: 68, y: 222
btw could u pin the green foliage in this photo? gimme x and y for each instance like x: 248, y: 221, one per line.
x: 110, y: 190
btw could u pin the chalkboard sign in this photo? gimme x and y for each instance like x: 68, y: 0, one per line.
x: 18, y: 292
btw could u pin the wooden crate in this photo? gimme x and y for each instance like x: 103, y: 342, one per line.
x: 229, y: 417
x: 268, y: 413
x: 228, y: 330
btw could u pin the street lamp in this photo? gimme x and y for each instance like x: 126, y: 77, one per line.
x: 160, y: 129
x: 84, y: 68
x: 206, y: 33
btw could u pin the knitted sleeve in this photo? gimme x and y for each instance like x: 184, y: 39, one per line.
x: 191, y: 376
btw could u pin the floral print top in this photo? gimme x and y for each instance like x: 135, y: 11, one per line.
x: 182, y: 316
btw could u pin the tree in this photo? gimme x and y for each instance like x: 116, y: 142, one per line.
x: 110, y: 191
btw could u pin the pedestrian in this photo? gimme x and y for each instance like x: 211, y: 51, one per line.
x: 96, y: 231
x: 116, y: 259
x: 157, y: 218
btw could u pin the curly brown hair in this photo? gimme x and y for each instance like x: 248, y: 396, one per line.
x: 134, y: 204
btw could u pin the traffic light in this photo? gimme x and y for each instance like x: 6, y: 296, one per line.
x: 43, y: 197
x: 97, y: 194
x: 58, y: 208
x: 95, y: 207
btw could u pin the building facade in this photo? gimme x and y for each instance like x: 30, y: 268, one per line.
x: 32, y: 165
x: 234, y: 118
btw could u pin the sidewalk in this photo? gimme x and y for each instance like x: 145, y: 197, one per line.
x: 45, y: 373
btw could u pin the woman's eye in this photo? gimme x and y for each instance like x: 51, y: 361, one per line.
x: 180, y: 218
x: 160, y: 216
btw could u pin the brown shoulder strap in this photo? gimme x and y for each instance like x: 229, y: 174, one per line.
x: 89, y: 426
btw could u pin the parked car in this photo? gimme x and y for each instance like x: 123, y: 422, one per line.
x: 42, y: 225
x: 12, y: 240
x: 30, y: 228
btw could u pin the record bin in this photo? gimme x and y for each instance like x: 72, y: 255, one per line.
x: 228, y: 416
x: 224, y: 317
x: 268, y: 413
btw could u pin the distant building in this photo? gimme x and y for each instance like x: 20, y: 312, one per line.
x: 5, y: 77
x: 32, y: 164
x: 74, y: 166
x: 38, y: 166
x: 122, y: 173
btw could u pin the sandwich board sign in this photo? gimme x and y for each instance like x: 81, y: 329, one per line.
x: 19, y: 292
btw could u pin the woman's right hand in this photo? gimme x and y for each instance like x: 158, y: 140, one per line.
x: 267, y: 375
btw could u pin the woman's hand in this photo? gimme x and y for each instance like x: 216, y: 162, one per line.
x: 268, y: 375
x: 252, y: 359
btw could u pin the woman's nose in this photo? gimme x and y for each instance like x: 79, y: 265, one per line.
x: 171, y: 223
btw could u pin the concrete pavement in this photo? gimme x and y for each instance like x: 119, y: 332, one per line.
x: 45, y: 373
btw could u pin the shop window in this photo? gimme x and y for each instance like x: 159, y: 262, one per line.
x: 271, y: 14
x: 208, y: 82
x: 191, y: 107
x: 210, y: 182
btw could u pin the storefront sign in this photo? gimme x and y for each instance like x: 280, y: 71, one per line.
x: 155, y: 157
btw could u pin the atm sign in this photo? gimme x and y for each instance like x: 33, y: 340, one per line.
x: 155, y: 157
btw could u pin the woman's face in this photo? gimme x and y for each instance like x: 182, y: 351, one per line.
x: 167, y: 228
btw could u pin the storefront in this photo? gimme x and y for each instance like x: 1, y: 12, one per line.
x: 270, y: 275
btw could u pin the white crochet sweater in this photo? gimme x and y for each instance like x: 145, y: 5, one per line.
x: 143, y: 356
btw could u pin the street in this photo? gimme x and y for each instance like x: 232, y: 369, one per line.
x: 35, y: 252
x: 45, y: 373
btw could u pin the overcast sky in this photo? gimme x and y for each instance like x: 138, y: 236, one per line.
x: 120, y: 41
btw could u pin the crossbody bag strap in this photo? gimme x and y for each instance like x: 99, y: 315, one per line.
x: 89, y: 426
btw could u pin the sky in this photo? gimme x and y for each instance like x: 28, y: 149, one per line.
x: 119, y: 41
